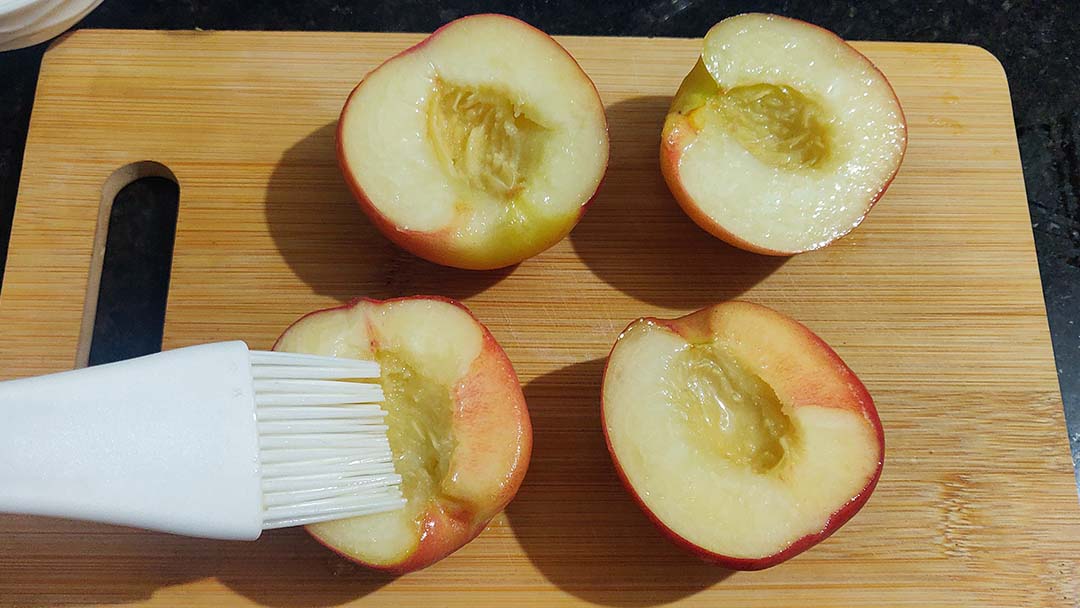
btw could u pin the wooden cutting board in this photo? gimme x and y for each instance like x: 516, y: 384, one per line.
x: 935, y: 301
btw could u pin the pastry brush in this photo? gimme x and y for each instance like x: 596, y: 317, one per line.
x: 213, y: 440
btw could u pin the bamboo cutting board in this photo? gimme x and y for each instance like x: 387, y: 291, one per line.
x: 935, y: 302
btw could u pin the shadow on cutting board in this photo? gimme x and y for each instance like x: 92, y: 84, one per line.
x: 68, y: 563
x: 330, y: 244
x: 572, y: 516
x: 636, y: 238
x: 289, y: 569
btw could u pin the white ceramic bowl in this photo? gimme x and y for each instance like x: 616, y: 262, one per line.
x: 27, y: 22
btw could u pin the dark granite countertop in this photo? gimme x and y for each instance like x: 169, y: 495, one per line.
x: 1037, y: 41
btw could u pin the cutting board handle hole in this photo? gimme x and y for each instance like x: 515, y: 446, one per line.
x: 129, y: 276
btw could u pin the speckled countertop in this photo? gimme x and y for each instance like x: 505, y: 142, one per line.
x: 1037, y: 41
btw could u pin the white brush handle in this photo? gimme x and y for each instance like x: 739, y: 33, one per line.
x: 164, y: 442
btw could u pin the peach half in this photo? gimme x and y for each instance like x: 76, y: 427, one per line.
x: 478, y: 147
x: 741, y: 434
x: 782, y: 137
x: 459, y: 429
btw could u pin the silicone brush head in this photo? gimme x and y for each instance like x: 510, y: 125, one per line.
x: 323, y: 449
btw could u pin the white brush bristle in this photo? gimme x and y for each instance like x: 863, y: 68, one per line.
x: 322, y: 439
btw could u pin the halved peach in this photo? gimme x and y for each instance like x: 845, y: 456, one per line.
x: 782, y: 136
x: 459, y: 429
x: 740, y: 433
x: 478, y: 147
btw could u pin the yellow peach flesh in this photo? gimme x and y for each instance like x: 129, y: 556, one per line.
x: 419, y: 416
x: 779, y: 125
x: 729, y: 411
x: 485, y: 140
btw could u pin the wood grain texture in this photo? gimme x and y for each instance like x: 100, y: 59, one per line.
x: 935, y: 301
